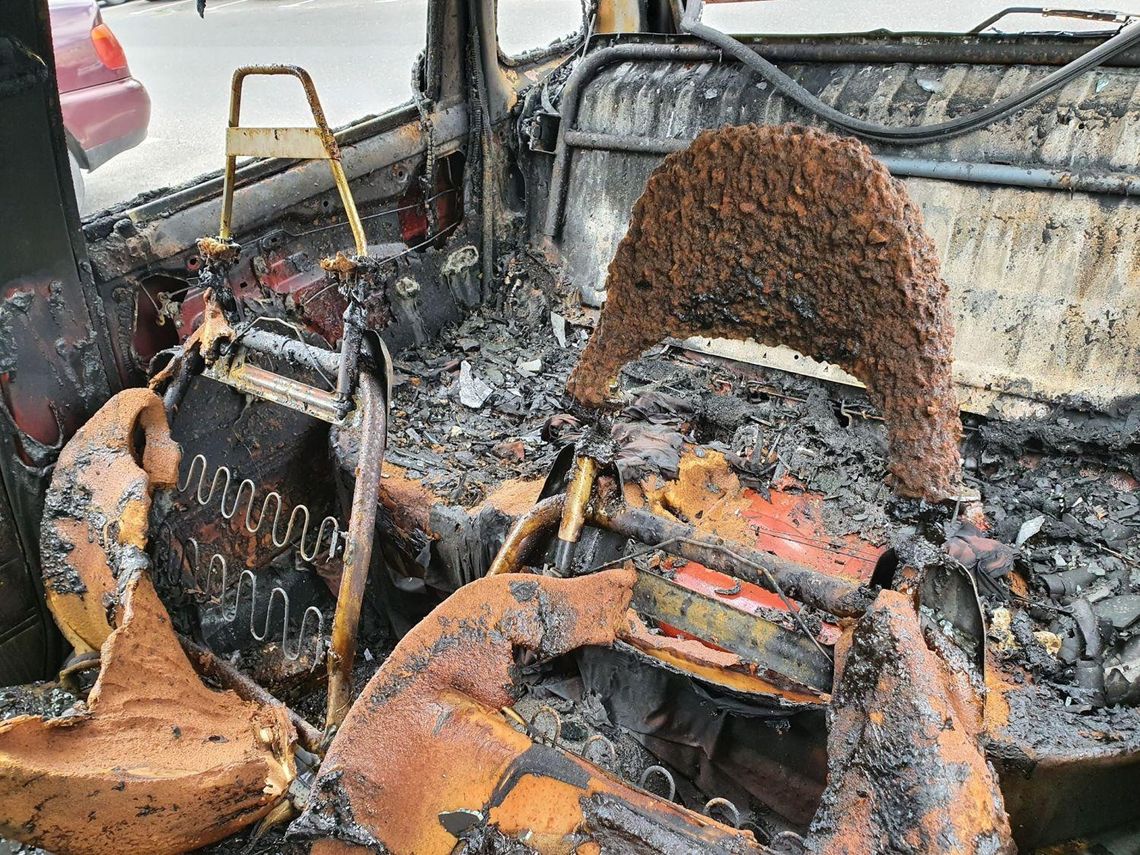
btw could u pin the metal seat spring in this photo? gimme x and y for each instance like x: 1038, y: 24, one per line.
x: 218, y: 571
x: 329, y: 528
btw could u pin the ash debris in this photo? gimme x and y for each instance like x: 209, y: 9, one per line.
x: 772, y: 427
x: 1069, y: 574
x: 471, y: 408
x: 1058, y: 519
x: 46, y: 700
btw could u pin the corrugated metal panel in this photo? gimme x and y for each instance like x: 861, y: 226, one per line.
x: 1046, y: 284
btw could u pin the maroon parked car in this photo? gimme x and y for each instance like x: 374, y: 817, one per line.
x: 105, y: 110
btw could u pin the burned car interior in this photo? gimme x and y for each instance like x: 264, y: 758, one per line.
x: 664, y: 441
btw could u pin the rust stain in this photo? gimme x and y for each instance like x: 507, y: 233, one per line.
x: 94, y: 529
x: 708, y: 495
x: 156, y: 762
x: 705, y: 493
x: 996, y: 704
x: 207, y: 339
x: 906, y: 770
x: 792, y: 236
x: 339, y: 264
x: 218, y: 250
x: 426, y: 738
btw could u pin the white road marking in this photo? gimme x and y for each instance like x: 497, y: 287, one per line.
x: 168, y: 8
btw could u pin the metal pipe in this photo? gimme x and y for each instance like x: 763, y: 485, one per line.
x: 358, y: 550
x: 574, y: 515
x: 292, y: 349
x: 252, y: 380
x: 484, y: 48
x: 570, y: 137
x: 788, y: 87
x: 838, y: 596
x: 349, y: 353
x: 538, y: 519
x: 832, y: 594
x: 1117, y: 183
x: 229, y: 677
x: 935, y: 50
x: 582, y: 74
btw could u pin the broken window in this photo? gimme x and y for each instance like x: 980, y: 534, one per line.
x: 786, y: 17
x: 169, y: 123
x: 527, y: 27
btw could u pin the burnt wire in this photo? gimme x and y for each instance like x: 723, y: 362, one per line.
x: 1127, y: 37
x: 255, y: 321
x: 424, y: 107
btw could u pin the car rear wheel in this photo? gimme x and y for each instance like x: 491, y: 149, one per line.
x: 76, y: 181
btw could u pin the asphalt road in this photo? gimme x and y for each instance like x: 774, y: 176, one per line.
x: 360, y: 53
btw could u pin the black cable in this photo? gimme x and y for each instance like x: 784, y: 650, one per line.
x: 786, y: 86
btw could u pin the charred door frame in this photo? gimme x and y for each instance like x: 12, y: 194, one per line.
x: 54, y: 341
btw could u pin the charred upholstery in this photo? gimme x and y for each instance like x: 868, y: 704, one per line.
x: 906, y: 772
x: 160, y: 762
x: 791, y: 236
x: 97, y: 510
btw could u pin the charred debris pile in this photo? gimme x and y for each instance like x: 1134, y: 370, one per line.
x: 1047, y: 514
x: 1053, y: 539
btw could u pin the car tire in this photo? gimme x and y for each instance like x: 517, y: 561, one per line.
x: 76, y: 181
x: 112, y: 2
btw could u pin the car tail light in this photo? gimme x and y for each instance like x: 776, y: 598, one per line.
x: 107, y: 46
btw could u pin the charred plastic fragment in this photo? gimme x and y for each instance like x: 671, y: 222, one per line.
x: 792, y: 236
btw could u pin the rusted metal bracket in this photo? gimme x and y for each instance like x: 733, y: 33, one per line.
x: 235, y: 370
x: 315, y: 143
x: 751, y: 637
x: 349, y: 273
